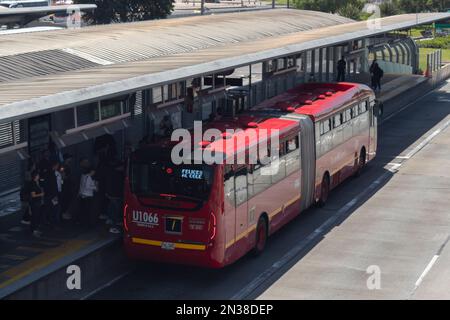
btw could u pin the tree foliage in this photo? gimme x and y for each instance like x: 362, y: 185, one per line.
x: 109, y: 11
x: 412, y: 6
x: 354, y: 8
x: 351, y: 10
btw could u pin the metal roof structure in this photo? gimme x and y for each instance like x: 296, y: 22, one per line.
x: 115, y: 59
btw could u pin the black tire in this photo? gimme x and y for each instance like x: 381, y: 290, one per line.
x: 261, y: 236
x: 362, y: 160
x: 324, y: 191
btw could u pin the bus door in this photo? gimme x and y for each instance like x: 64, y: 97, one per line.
x: 241, y: 196
x: 229, y: 206
x: 374, y: 112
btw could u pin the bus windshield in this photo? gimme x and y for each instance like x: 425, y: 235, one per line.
x: 160, y: 178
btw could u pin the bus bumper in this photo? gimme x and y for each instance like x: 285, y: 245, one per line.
x: 150, y: 250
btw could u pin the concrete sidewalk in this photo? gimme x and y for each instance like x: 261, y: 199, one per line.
x: 26, y: 261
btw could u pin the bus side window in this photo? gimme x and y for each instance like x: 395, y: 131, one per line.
x: 337, y: 120
x: 362, y: 107
x: 348, y: 114
x: 293, y: 155
x: 229, y: 184
x: 240, y: 186
x: 366, y: 105
x: 260, y: 181
x: 292, y: 145
x: 325, y: 126
x: 250, y: 185
x: 355, y: 111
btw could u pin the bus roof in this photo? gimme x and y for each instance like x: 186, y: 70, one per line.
x: 248, y: 130
x: 252, y: 133
x: 316, y: 100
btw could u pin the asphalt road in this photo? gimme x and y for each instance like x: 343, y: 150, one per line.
x: 395, y: 216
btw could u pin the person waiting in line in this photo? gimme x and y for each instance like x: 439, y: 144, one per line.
x: 25, y: 194
x: 114, y: 193
x: 377, y: 76
x: 341, y: 66
x: 36, y: 203
x: 59, y: 187
x: 88, y: 186
x: 67, y: 186
x: 372, y: 66
x: 51, y: 202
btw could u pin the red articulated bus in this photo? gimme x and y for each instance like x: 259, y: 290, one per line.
x: 211, y: 214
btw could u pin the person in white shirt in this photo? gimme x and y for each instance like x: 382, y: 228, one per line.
x: 88, y: 186
x: 59, y: 180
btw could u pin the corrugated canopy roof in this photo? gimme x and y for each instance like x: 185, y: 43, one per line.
x: 102, y: 61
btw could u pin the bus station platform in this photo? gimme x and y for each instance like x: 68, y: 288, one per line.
x: 28, y: 266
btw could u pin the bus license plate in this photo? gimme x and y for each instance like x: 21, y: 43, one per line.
x: 168, y: 245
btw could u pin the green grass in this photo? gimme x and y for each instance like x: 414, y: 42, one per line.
x: 423, y: 56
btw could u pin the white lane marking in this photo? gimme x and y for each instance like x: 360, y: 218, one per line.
x: 106, y: 285
x: 263, y: 277
x: 427, y: 140
x: 394, y: 167
x: 430, y: 265
x: 410, y: 104
x: 427, y: 269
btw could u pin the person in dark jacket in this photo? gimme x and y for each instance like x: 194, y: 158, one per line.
x: 25, y: 194
x: 372, y: 66
x: 36, y: 203
x: 377, y: 75
x: 114, y: 193
x: 68, y: 193
x: 341, y: 67
x: 51, y: 198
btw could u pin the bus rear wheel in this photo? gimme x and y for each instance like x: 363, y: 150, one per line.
x: 361, y: 162
x: 261, y: 236
x: 324, y: 191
